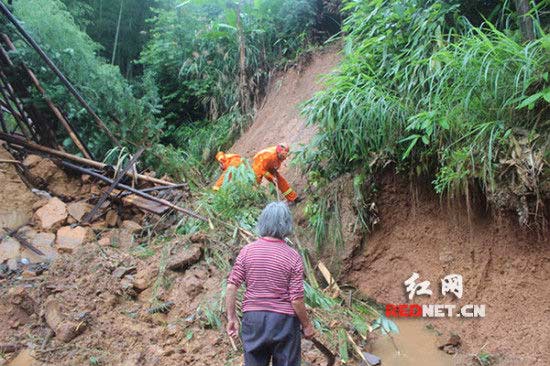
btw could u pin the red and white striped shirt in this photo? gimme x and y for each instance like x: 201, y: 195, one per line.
x: 273, y: 273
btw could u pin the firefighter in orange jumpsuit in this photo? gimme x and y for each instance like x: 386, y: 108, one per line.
x: 266, y: 164
x: 226, y: 160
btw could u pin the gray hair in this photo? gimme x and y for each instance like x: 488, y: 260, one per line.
x: 275, y: 221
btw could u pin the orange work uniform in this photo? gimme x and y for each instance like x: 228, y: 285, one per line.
x: 266, y: 164
x: 226, y: 160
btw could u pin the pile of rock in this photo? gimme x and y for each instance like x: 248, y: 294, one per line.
x: 54, y: 227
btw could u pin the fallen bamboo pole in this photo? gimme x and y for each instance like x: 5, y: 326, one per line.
x: 135, y: 191
x: 61, y: 154
x: 90, y: 215
x: 60, y: 117
x: 59, y: 74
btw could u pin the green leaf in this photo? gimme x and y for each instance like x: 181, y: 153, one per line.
x: 343, y: 345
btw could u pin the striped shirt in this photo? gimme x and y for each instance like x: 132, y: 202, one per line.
x: 273, y: 273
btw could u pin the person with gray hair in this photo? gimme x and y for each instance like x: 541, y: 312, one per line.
x: 273, y: 305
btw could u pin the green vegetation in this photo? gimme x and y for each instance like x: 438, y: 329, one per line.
x: 421, y: 85
x: 195, y: 70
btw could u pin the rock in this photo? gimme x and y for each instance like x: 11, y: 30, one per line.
x: 12, y: 264
x: 122, y: 271
x: 145, y: 277
x: 64, y: 330
x: 186, y: 258
x: 86, y: 178
x: 51, y: 214
x: 32, y: 160
x: 40, y: 203
x: 95, y: 190
x: 9, y: 347
x: 199, y: 237
x: 43, y: 169
x: 193, y: 286
x: 111, y: 218
x: 127, y: 286
x: 104, y: 242
x: 60, y: 184
x: 131, y: 226
x: 85, y: 189
x: 452, y: 345
x: 53, y: 313
x: 24, y: 358
x: 122, y: 238
x: 28, y: 274
x: 9, y: 249
x: 43, y: 242
x: 78, y: 209
x: 69, y: 239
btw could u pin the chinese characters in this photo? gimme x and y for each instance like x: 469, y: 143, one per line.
x: 451, y: 283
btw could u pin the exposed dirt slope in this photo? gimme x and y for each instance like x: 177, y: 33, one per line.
x: 503, y: 267
x: 279, y: 120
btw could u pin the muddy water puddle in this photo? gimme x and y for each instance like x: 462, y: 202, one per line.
x: 417, y: 346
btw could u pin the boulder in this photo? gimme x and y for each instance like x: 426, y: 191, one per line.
x: 69, y: 239
x: 144, y: 278
x: 43, y: 242
x: 78, y: 209
x: 60, y: 184
x: 131, y: 226
x: 13, y: 265
x: 9, y: 249
x: 24, y: 358
x: 31, y: 160
x: 64, y: 330
x: 105, y: 241
x: 122, y: 238
x: 43, y: 169
x: 111, y: 218
x: 52, y: 214
x: 40, y: 203
x: 185, y: 259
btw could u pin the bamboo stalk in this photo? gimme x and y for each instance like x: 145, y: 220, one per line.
x: 90, y: 215
x: 136, y: 191
x: 15, y: 115
x: 61, y: 118
x: 61, y: 154
x: 51, y: 65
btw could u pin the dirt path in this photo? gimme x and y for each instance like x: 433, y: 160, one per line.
x: 279, y: 120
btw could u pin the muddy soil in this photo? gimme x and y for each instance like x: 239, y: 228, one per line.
x: 279, y: 119
x: 16, y: 199
x: 503, y: 267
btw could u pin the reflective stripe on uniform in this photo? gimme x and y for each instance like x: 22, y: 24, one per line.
x: 288, y: 191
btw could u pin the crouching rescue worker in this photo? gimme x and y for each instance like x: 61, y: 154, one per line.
x: 273, y: 305
x: 266, y: 164
x: 226, y: 160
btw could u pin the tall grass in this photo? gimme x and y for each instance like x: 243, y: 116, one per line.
x: 422, y: 86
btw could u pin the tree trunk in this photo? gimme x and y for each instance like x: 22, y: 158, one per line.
x: 523, y: 7
x: 117, y: 32
x: 243, y: 87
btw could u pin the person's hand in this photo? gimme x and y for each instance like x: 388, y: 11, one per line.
x: 232, y: 328
x: 309, y: 332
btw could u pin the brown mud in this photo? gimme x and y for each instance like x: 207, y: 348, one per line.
x: 504, y: 267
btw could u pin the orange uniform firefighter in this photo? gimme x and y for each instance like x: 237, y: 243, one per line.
x: 266, y: 164
x: 226, y: 160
